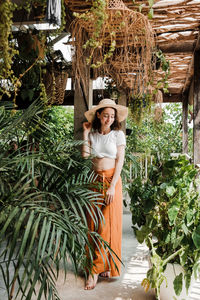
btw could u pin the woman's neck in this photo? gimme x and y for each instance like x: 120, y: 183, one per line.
x: 104, y: 130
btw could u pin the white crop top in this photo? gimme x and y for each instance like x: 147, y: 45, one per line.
x: 105, y: 145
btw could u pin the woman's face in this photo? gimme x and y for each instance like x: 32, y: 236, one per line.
x: 107, y: 116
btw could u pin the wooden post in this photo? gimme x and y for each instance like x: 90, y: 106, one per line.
x: 196, y: 108
x: 185, y: 124
x: 82, y: 102
x: 123, y: 101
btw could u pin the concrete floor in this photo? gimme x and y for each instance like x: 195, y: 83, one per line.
x: 126, y: 287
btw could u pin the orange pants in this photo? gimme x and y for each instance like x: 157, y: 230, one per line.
x: 111, y: 230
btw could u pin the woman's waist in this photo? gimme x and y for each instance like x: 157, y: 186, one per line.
x: 103, y: 164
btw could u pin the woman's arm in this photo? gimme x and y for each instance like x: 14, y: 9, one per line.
x: 118, y: 167
x: 86, y: 146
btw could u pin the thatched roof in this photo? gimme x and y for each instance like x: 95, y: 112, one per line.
x: 176, y: 25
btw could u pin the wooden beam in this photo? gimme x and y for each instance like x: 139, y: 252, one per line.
x: 178, y: 47
x: 188, y: 75
x: 99, y: 94
x: 197, y: 47
x: 191, y: 65
x: 36, y: 15
x: 191, y: 93
x: 168, y: 98
x: 185, y: 124
x: 196, y: 108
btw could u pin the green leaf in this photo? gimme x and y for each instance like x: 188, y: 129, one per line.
x: 151, y: 2
x: 189, y: 217
x: 188, y: 276
x: 183, y: 258
x: 178, y: 284
x: 178, y: 240
x: 163, y: 185
x: 185, y: 229
x: 172, y: 213
x: 142, y: 234
x: 170, y: 191
x: 196, y: 237
x: 150, y: 14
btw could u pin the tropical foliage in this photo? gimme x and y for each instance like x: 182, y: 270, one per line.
x: 166, y: 213
x: 61, y: 124
x: 158, y: 137
x: 45, y: 193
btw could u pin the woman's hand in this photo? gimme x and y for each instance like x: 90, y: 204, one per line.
x: 110, y: 194
x: 87, y: 127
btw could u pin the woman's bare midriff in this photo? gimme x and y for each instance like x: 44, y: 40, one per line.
x: 104, y: 163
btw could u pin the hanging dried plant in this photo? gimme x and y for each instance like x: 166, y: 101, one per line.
x: 119, y: 44
x: 140, y: 105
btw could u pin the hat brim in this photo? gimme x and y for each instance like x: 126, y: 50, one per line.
x: 122, y: 111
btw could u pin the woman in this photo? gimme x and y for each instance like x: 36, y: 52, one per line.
x: 105, y: 142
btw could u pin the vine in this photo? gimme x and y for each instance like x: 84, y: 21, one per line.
x: 150, y: 14
x: 163, y: 63
x: 7, y: 49
x: 98, y: 15
x: 18, y: 64
x: 140, y: 105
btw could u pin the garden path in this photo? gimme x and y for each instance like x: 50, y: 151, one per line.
x: 127, y: 287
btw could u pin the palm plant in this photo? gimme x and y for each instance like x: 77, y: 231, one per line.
x: 44, y: 198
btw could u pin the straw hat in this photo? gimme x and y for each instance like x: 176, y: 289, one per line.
x: 122, y: 111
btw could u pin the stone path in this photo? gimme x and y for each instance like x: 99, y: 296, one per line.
x: 128, y: 286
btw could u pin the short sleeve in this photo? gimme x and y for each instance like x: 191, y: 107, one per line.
x: 121, y: 140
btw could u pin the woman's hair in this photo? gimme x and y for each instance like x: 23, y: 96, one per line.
x: 96, y: 124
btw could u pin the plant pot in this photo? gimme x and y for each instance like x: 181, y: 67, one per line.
x: 167, y: 292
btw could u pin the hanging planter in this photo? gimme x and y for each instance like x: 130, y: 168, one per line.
x: 55, y: 81
x: 116, y: 42
x: 139, y: 105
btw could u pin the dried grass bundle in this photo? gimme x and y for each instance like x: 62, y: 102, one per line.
x: 122, y: 47
x: 55, y: 82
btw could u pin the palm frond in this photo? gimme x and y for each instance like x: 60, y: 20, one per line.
x: 44, y: 199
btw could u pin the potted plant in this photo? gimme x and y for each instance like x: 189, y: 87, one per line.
x: 166, y: 215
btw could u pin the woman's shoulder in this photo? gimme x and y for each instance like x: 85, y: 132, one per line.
x: 120, y: 137
x: 118, y: 132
